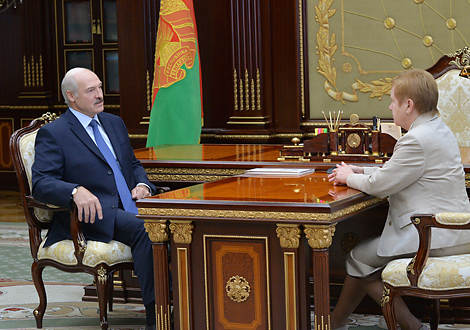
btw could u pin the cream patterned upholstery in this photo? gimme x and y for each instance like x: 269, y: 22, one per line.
x: 97, y: 252
x: 442, y: 273
x: 454, y: 104
x: 27, y: 142
x: 435, y: 278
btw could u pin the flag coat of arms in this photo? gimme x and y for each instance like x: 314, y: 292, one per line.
x: 176, y: 116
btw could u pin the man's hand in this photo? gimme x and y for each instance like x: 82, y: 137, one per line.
x: 139, y: 192
x: 342, y: 171
x: 88, y: 205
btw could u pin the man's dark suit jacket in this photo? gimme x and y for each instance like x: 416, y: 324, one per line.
x: 66, y: 156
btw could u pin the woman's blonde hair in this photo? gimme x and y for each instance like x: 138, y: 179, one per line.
x: 419, y: 86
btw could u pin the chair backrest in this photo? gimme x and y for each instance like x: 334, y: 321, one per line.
x: 454, y: 93
x: 22, y: 144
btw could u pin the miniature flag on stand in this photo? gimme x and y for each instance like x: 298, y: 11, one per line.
x: 176, y: 116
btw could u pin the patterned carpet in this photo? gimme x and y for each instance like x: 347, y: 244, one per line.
x: 65, y: 309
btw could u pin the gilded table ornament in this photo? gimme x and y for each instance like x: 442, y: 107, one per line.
x: 289, y: 236
x: 298, y: 216
x: 182, y: 231
x: 238, y: 289
x: 319, y: 237
x: 157, y: 231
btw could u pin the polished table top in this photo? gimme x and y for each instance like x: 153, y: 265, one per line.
x: 306, y: 198
x: 223, y: 153
x: 210, y: 153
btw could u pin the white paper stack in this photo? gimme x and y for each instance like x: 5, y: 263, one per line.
x: 280, y: 171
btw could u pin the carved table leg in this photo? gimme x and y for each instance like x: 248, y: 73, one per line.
x: 159, y: 236
x: 182, y: 237
x: 289, y: 239
x: 320, y: 238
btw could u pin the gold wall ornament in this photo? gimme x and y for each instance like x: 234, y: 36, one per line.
x: 385, y: 297
x: 182, y: 231
x: 319, y: 237
x: 406, y: 63
x: 451, y: 24
x: 347, y: 67
x: 389, y: 23
x: 238, y: 289
x: 102, y: 278
x: 289, y: 236
x: 428, y: 41
x: 157, y: 230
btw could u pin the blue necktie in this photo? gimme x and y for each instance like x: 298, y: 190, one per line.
x: 124, y: 193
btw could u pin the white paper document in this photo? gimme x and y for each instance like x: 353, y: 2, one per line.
x: 280, y: 172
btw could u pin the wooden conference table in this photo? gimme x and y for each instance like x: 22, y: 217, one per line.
x: 183, y: 165
x: 241, y: 249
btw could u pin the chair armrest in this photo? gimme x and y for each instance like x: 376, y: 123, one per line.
x: 78, y: 238
x: 423, y: 223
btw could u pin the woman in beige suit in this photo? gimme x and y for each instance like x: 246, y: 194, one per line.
x: 424, y: 175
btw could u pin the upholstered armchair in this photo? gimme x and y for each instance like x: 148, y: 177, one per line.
x: 427, y: 277
x: 453, y: 82
x: 76, y: 255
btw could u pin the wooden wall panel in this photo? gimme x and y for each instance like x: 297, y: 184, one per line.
x: 6, y: 129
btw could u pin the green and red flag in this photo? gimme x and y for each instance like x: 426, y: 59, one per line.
x: 176, y: 116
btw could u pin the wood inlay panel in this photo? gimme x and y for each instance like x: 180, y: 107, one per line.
x: 234, y: 263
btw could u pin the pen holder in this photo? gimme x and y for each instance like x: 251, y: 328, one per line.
x: 375, y: 143
x: 333, y: 142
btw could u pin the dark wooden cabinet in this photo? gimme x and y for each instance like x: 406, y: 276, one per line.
x: 87, y: 37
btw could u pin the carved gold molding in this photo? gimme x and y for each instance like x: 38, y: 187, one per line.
x: 319, y: 237
x: 259, y: 214
x: 289, y: 236
x: 199, y: 171
x: 156, y: 229
x: 182, y: 231
x: 175, y: 177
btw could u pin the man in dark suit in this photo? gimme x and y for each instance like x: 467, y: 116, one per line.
x: 71, y: 165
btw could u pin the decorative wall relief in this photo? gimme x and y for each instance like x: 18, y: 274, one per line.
x: 356, y: 48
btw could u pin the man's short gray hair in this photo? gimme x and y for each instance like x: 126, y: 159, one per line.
x: 69, y: 83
